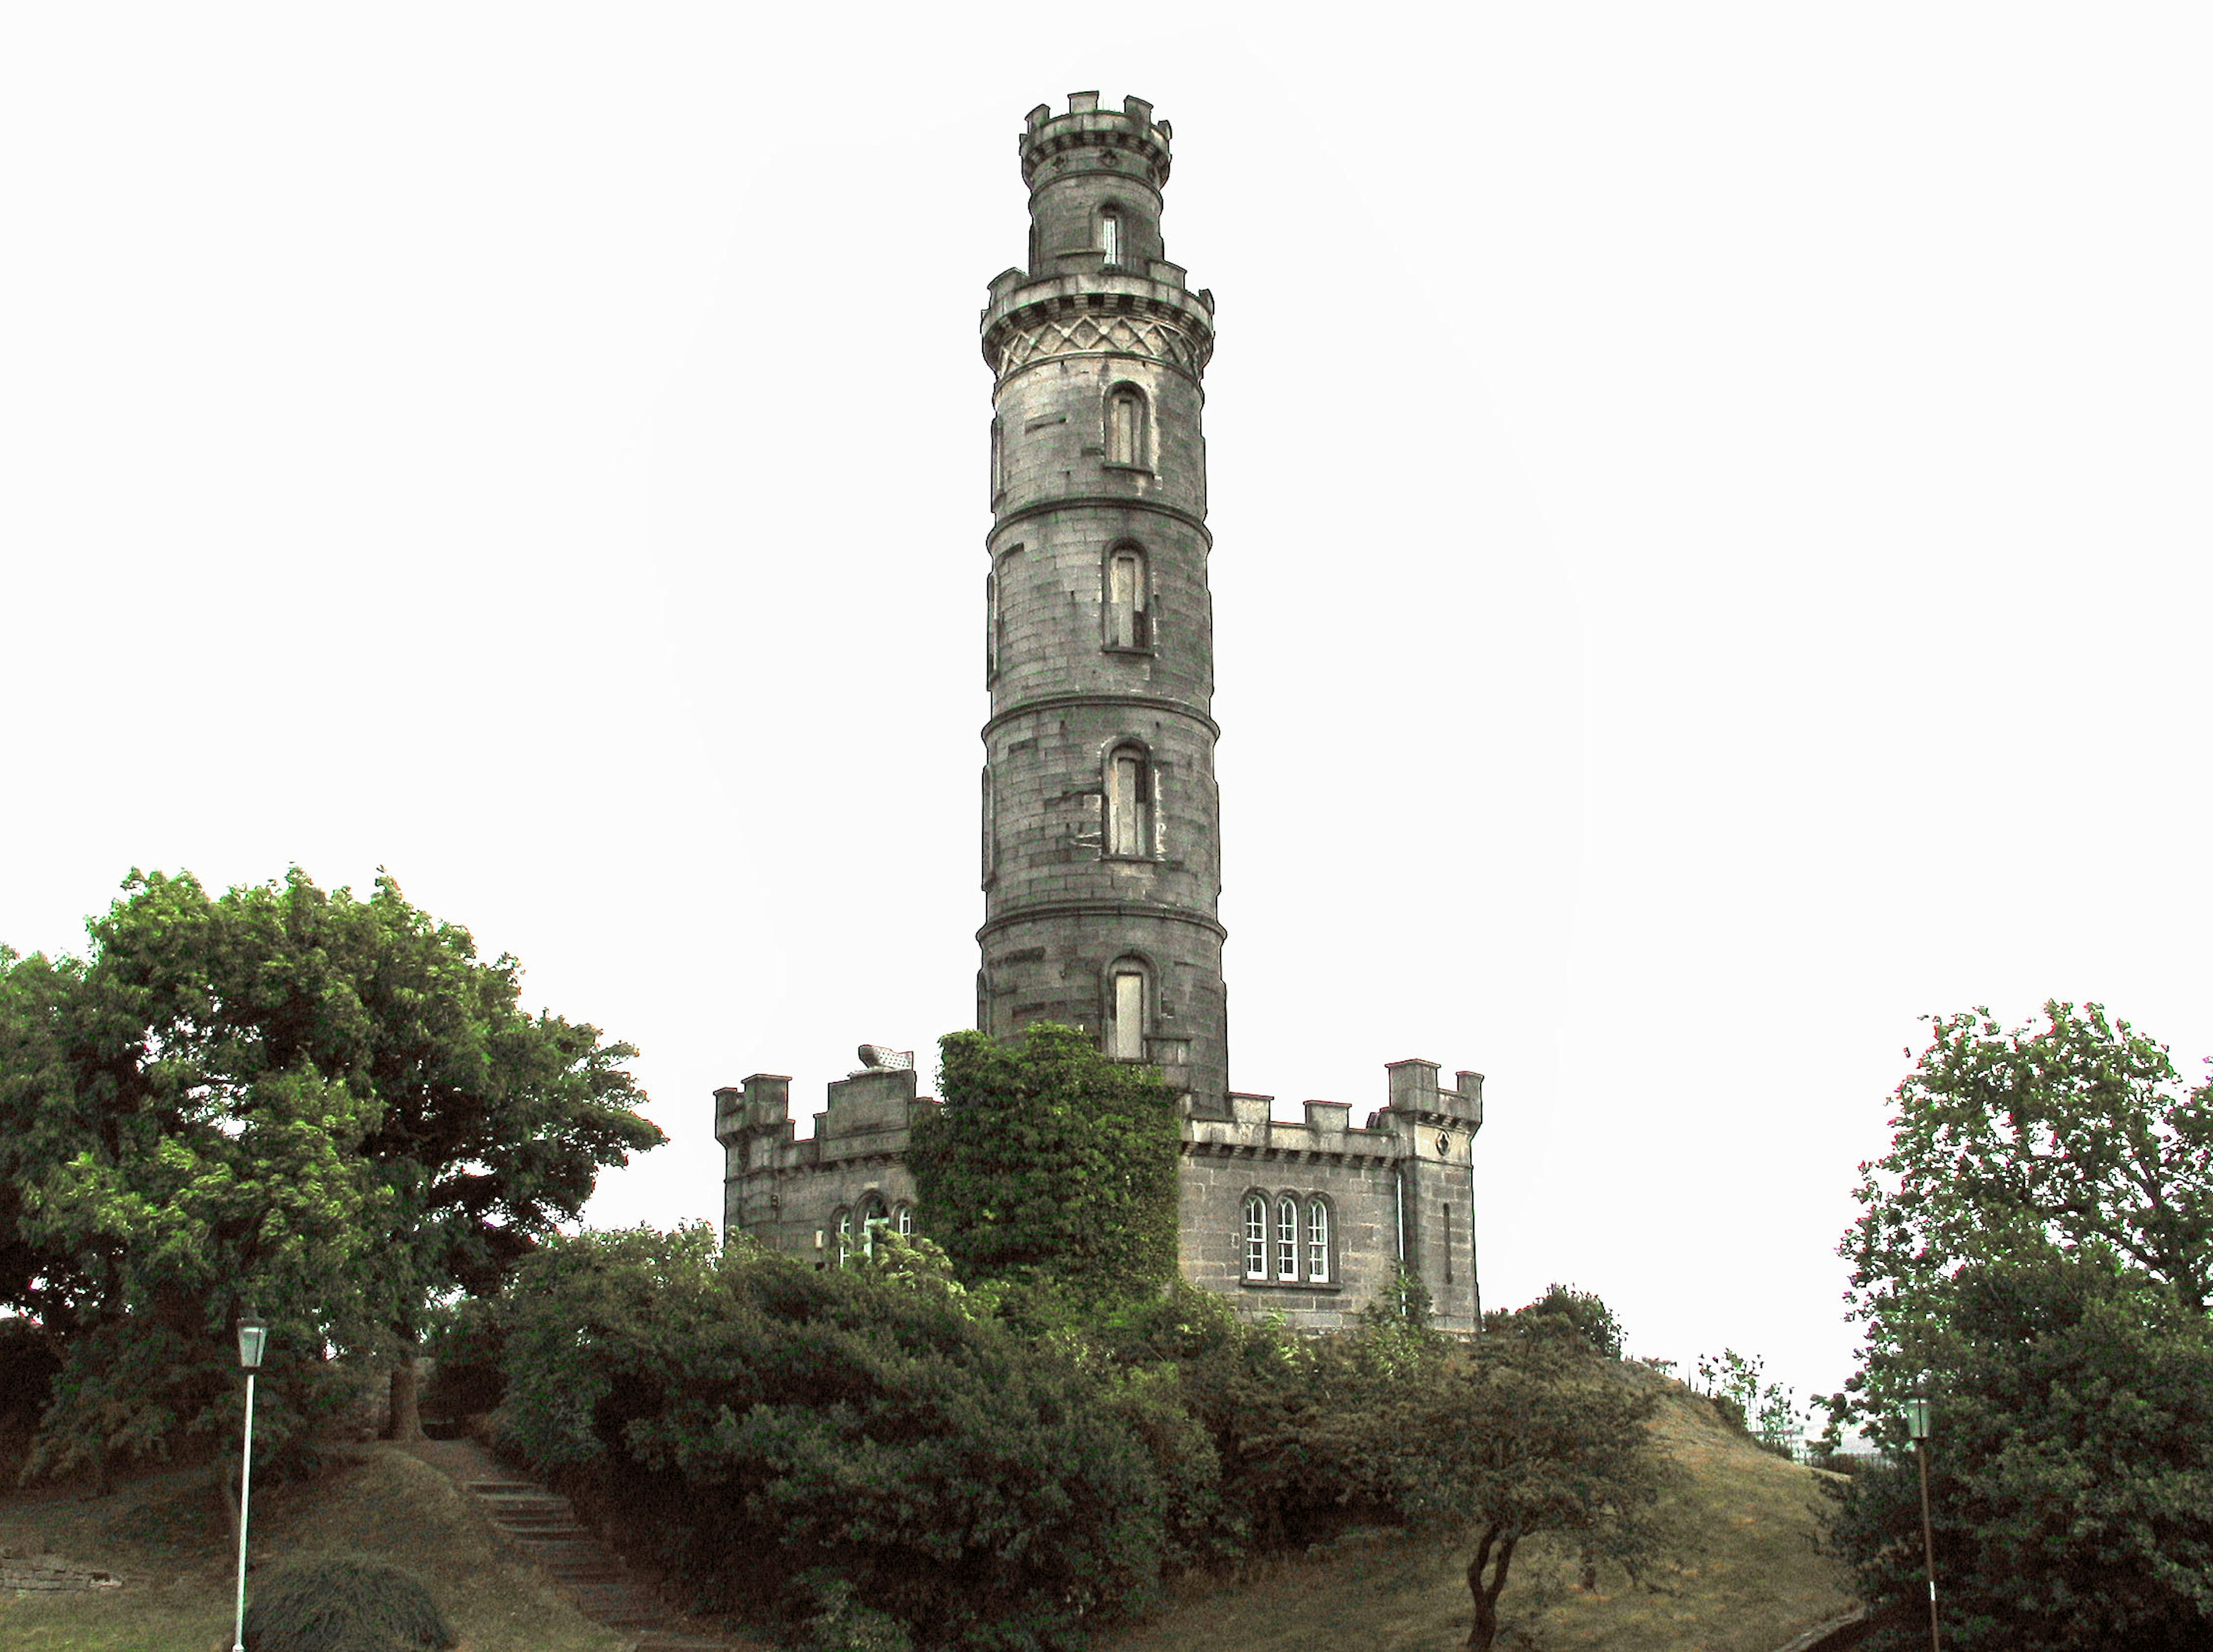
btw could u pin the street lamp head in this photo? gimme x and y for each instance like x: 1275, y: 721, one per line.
x: 252, y: 1335
x: 1916, y: 1416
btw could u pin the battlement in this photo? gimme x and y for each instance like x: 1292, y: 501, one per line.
x: 1129, y: 138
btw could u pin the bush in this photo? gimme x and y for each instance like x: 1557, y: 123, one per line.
x: 1563, y: 1311
x: 339, y: 1603
x: 755, y: 1420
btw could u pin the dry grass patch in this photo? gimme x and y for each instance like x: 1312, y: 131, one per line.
x: 165, y: 1537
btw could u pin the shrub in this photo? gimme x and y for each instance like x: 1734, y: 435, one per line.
x: 1563, y: 1311
x: 339, y: 1603
x: 756, y: 1420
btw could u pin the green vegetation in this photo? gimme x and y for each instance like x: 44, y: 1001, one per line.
x: 323, y: 1107
x: 2034, y: 1251
x: 1768, y: 1411
x: 343, y: 1603
x: 1045, y: 1161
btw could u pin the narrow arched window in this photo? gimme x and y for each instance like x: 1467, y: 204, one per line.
x: 1110, y: 234
x: 991, y: 832
x: 1125, y: 1033
x: 991, y: 626
x: 1287, y: 1238
x: 1256, y: 1237
x: 1318, y: 1241
x: 1129, y: 802
x: 1125, y: 599
x: 873, y: 1216
x: 844, y: 1236
x: 1125, y: 426
x: 998, y: 461
x: 903, y: 1220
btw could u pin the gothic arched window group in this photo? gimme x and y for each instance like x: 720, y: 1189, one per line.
x: 1290, y: 1238
x: 859, y: 1228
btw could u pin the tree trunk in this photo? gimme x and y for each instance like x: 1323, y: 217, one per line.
x: 1484, y: 1591
x: 406, y: 1417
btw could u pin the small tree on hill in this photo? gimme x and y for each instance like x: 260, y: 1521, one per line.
x: 1526, y: 1435
x: 1046, y: 1160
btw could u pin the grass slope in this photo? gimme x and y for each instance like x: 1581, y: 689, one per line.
x: 1749, y: 1578
x: 165, y: 1537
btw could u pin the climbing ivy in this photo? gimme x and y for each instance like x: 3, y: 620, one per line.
x: 1047, y: 1162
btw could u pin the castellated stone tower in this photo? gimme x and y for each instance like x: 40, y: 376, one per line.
x: 1102, y: 862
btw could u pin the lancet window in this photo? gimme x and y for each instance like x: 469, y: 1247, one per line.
x: 1128, y: 622
x: 1129, y: 802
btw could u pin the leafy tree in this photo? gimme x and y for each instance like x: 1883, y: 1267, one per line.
x: 2035, y: 1247
x: 1047, y: 1160
x: 326, y: 1108
x: 1527, y: 1435
x: 1767, y: 1410
x: 2070, y: 1462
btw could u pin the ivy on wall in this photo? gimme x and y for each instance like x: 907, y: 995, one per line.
x: 1047, y: 1160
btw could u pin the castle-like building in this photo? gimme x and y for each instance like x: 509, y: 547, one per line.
x: 1101, y: 838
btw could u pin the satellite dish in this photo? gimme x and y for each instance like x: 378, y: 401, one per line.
x: 877, y: 1059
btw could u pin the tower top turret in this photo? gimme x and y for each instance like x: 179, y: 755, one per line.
x: 1090, y: 139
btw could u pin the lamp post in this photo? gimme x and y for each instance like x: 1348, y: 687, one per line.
x: 252, y: 1335
x: 1916, y: 1429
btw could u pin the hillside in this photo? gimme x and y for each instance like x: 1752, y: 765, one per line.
x: 1752, y: 1582
x: 1747, y: 1521
x: 164, y: 1537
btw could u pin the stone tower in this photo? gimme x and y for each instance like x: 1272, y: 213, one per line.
x: 1101, y: 822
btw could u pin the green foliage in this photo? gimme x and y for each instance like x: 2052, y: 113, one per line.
x: 1563, y: 1311
x: 844, y: 1624
x: 1766, y: 1411
x: 1045, y: 1160
x: 326, y: 1108
x: 340, y: 1603
x: 760, y: 1420
x: 1523, y: 1435
x: 2034, y: 1250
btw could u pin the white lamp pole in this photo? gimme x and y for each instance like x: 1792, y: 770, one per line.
x: 1916, y: 1429
x: 252, y: 1335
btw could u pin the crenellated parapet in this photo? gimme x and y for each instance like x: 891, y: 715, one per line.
x: 785, y: 1191
x: 1126, y: 145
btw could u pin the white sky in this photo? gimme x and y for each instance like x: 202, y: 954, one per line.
x: 1711, y: 502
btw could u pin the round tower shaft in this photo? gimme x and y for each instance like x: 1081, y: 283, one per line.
x: 1101, y: 821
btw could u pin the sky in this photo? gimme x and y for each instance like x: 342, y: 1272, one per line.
x: 1710, y: 503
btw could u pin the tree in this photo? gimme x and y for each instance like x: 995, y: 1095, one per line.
x: 1766, y: 1411
x: 1564, y: 1311
x: 1047, y: 1160
x: 326, y: 1108
x: 1524, y: 1435
x: 2035, y: 1249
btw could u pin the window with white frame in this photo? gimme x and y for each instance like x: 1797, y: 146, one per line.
x: 1256, y: 1237
x: 1318, y: 1241
x: 1129, y: 802
x: 903, y: 1220
x: 1287, y: 1238
x: 1110, y: 234
x: 1126, y: 625
x: 844, y: 1220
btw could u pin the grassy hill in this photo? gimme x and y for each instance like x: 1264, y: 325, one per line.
x: 1751, y: 1580
x: 165, y: 1537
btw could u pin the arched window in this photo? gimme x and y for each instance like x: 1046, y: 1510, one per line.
x: 998, y: 461
x: 991, y: 626
x: 1129, y: 802
x: 1126, y: 626
x: 1125, y: 1003
x: 903, y: 1220
x: 1256, y: 1236
x: 1125, y: 425
x: 1318, y: 1241
x: 845, y: 1221
x: 1287, y: 1238
x: 1110, y: 234
x: 990, y: 831
x: 873, y: 1216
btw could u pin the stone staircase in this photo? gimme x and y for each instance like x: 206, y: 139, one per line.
x: 541, y: 1526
